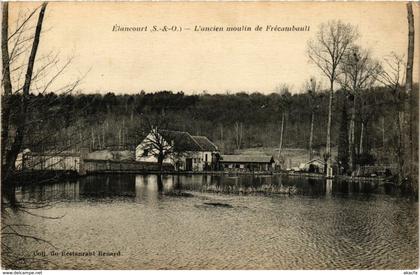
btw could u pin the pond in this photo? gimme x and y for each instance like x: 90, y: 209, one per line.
x: 216, y: 222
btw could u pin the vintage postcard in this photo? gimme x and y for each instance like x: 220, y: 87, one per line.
x: 209, y: 135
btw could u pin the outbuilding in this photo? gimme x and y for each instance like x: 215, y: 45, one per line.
x: 313, y: 166
x: 247, y: 162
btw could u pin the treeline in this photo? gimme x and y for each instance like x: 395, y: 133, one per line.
x: 232, y: 121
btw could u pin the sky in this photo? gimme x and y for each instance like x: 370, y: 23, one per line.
x: 215, y: 62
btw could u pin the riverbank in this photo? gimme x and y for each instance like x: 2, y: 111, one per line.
x: 244, y: 173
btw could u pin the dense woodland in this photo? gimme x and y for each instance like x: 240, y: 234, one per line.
x: 232, y: 121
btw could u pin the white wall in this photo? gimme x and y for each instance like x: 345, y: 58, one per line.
x: 198, y: 157
x: 150, y: 158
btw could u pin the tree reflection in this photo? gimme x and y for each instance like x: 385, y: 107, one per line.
x: 160, y: 183
x: 328, y: 187
x: 177, y: 183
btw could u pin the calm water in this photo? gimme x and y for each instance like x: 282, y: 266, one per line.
x: 214, y: 222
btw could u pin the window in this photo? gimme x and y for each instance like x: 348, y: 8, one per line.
x: 145, y: 153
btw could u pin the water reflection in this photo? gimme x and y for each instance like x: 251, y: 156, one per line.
x: 227, y: 222
x: 108, y: 186
x: 328, y: 187
x: 147, y: 186
x: 50, y: 192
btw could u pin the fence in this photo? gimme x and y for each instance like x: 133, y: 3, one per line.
x: 92, y: 166
x: 49, y: 162
x: 73, y: 162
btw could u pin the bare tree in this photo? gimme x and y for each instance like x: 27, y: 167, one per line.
x: 24, y: 73
x: 222, y: 140
x: 283, y: 90
x: 11, y: 155
x: 281, y: 136
x: 6, y: 80
x: 312, y: 86
x: 158, y: 146
x: 239, y: 133
x: 392, y: 76
x: 409, y: 90
x: 326, y: 51
x: 154, y: 142
x: 367, y: 110
x: 392, y: 73
x: 358, y: 72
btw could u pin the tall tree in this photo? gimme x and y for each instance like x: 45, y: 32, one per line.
x: 7, y: 83
x: 391, y: 76
x: 239, y: 133
x: 358, y: 72
x: 326, y: 51
x: 312, y: 87
x: 409, y: 90
x: 8, y: 164
x: 283, y: 90
x: 343, y: 140
x: 19, y: 109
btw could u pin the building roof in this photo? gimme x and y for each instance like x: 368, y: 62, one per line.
x: 100, y: 155
x: 247, y: 158
x: 182, y: 141
x: 205, y: 143
x: 320, y: 161
x: 51, y: 153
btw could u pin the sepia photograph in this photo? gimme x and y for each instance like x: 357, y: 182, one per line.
x: 210, y: 136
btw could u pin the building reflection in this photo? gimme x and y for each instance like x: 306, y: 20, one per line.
x: 328, y: 187
x: 64, y: 191
x: 108, y: 186
x: 149, y: 188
